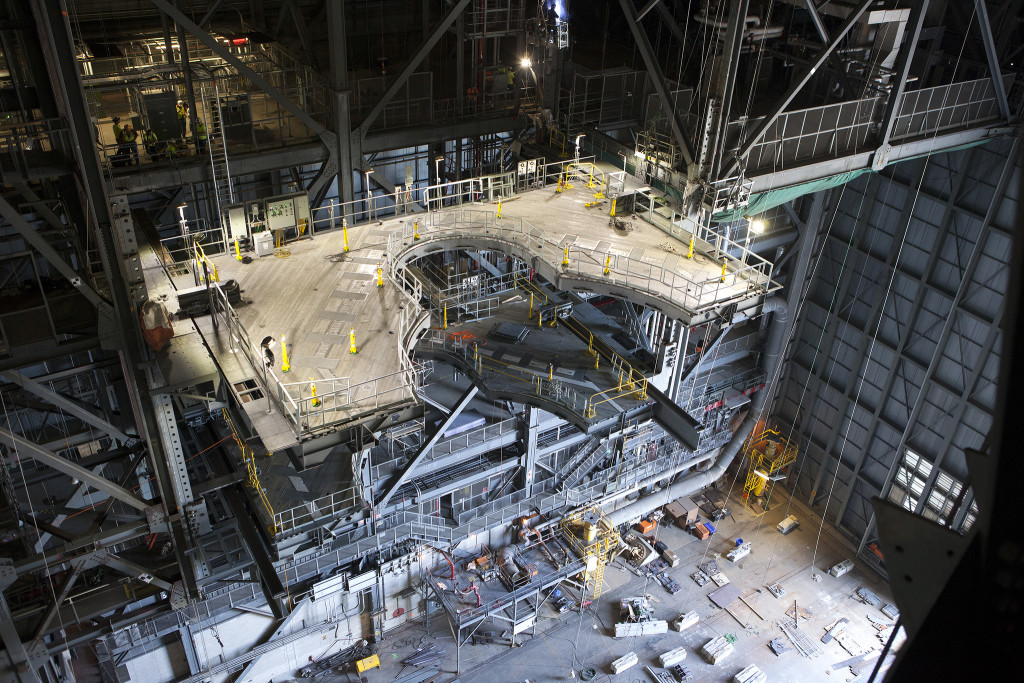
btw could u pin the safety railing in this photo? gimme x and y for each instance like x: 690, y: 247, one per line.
x: 325, y: 507
x: 675, y: 287
x: 955, y: 105
x: 473, y: 437
x: 31, y: 145
x: 630, y: 381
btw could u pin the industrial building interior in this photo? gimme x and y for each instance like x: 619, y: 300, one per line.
x: 728, y: 282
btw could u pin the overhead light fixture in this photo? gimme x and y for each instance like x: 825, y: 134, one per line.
x: 638, y: 154
x: 757, y: 227
x: 525, y: 63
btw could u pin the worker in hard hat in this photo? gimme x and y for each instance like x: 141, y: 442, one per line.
x: 200, y: 136
x: 130, y: 136
x: 182, y: 110
x: 118, y: 140
x: 150, y: 142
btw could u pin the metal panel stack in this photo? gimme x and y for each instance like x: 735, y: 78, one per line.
x: 751, y: 674
x: 716, y: 650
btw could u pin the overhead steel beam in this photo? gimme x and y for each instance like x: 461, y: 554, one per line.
x: 30, y: 235
x: 25, y: 448
x: 985, y: 26
x: 210, y: 12
x: 881, y: 158
x: 795, y: 88
x: 65, y: 404
x: 403, y: 475
x: 658, y: 78
x: 119, y: 534
x: 670, y: 22
x: 647, y: 8
x: 409, y: 68
x: 837, y: 63
x: 225, y: 54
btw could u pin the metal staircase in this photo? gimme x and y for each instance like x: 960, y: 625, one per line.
x: 217, y: 146
x: 582, y: 462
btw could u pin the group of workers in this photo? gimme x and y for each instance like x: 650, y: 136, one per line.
x: 127, y: 140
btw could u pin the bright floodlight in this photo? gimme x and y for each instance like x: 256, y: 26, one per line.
x: 757, y: 227
x: 525, y: 63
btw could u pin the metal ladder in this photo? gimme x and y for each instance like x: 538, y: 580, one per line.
x: 217, y: 147
x: 583, y: 451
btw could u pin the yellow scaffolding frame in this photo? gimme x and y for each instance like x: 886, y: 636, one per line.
x: 603, y: 540
x: 767, y: 454
x: 250, y: 466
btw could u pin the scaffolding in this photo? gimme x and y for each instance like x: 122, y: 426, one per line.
x: 594, y: 538
x: 768, y: 454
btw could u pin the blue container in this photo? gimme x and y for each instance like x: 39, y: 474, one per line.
x: 711, y: 529
x: 739, y: 542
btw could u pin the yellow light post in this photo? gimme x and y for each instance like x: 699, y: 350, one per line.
x: 285, y: 365
x: 238, y: 252
x: 344, y: 232
x: 352, y: 340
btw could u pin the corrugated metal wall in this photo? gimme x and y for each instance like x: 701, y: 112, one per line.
x: 897, y: 344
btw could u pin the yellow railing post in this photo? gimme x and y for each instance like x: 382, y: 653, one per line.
x: 285, y: 365
x: 352, y: 340
x: 689, y: 252
x: 312, y: 386
x: 344, y: 232
x: 723, y: 270
x: 551, y: 371
x: 415, y: 230
x: 597, y: 362
x: 607, y: 263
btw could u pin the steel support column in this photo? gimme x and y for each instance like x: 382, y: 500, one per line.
x: 795, y: 88
x: 658, y: 79
x: 343, y: 155
x: 892, y: 106
x: 65, y: 404
x: 403, y: 475
x: 985, y: 26
x: 25, y: 448
x: 410, y: 66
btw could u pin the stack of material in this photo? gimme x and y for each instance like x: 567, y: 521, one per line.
x: 841, y: 568
x: 751, y: 674
x: 636, y: 618
x: 716, y: 650
x: 739, y: 552
x: 869, y: 598
x: 685, y: 621
x: 700, y: 577
x: 890, y: 611
x: 624, y: 662
x: 672, y: 657
x: 428, y: 655
x: 701, y: 532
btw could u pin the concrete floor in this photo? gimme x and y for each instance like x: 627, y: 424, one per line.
x: 570, y: 642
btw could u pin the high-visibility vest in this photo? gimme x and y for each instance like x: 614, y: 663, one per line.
x: 201, y: 129
x: 149, y: 138
x: 181, y: 110
x: 118, y: 133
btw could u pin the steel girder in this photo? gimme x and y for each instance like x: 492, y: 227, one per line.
x: 66, y: 404
x: 996, y: 74
x: 902, y: 70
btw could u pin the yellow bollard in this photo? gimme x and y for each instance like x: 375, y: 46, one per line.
x: 285, y: 365
x: 216, y: 275
x: 499, y: 209
x: 612, y: 214
x: 531, y: 306
x: 607, y: 263
x: 415, y: 230
x: 565, y: 257
x: 446, y: 315
x: 380, y: 275
x: 312, y: 385
x: 344, y: 232
x: 597, y: 362
x: 476, y: 353
x: 559, y: 188
x: 238, y: 252
x: 551, y: 371
x: 723, y: 270
x: 352, y: 340
x: 689, y: 252
x: 539, y: 323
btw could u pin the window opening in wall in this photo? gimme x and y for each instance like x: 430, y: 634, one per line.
x: 972, y: 516
x: 908, y: 488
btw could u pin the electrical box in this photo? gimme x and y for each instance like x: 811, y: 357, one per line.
x: 373, y: 661
x: 280, y: 213
x: 264, y: 243
x: 238, y: 227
